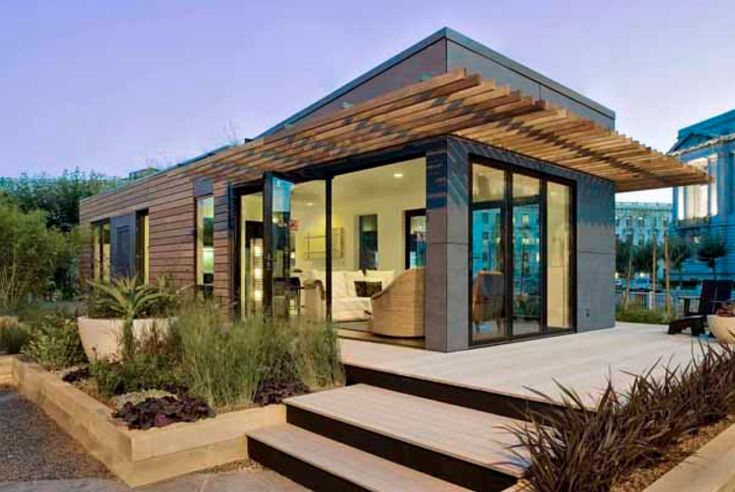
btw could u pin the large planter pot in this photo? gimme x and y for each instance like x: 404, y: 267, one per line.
x: 101, y: 338
x: 722, y: 327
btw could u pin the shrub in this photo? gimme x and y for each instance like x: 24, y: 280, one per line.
x: 152, y: 365
x: 319, y: 360
x: 30, y: 254
x: 642, y: 315
x: 140, y: 373
x: 218, y: 365
x: 13, y: 337
x: 255, y: 360
x: 54, y: 341
x: 575, y: 449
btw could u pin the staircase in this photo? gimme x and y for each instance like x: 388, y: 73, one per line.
x: 364, y: 437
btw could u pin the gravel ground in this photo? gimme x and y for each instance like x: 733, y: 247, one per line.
x: 33, y: 447
x: 37, y: 456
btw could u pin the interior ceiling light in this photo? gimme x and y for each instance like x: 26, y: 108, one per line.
x: 398, y: 175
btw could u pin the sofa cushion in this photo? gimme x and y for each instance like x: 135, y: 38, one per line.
x: 368, y: 288
x: 339, y: 282
x: 384, y: 276
x: 351, y: 308
x: 350, y: 278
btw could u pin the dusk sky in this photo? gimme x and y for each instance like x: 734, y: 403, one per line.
x: 117, y: 86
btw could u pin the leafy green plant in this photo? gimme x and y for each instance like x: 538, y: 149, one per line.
x: 141, y: 372
x: 13, y: 337
x: 54, y: 341
x: 573, y: 448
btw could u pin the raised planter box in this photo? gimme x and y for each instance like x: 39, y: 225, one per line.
x: 710, y: 469
x: 101, y: 337
x: 138, y: 457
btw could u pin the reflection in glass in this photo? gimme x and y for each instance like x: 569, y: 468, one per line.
x: 488, y: 255
x: 281, y: 250
x: 416, y: 240
x: 558, y: 256
x: 526, y: 255
x: 251, y: 254
x: 205, y: 243
x: 101, y: 251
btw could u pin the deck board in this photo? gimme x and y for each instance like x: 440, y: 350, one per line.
x: 469, y: 435
x: 364, y: 469
x: 581, y: 361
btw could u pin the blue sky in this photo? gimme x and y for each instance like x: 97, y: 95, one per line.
x: 113, y: 87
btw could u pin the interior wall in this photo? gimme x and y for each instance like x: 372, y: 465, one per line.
x: 374, y: 191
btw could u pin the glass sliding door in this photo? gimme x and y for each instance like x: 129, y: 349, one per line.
x: 522, y: 256
x: 295, y: 247
x: 488, y: 308
x: 559, y: 257
x: 252, y: 252
x: 526, y: 255
x: 278, y: 255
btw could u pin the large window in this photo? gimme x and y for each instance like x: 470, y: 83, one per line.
x: 101, y: 251
x: 521, y: 255
x: 205, y: 243
x: 142, y: 246
x: 699, y: 201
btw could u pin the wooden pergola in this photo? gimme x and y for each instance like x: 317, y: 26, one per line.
x: 467, y: 106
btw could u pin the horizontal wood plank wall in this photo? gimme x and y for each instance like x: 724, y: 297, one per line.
x: 169, y: 198
x: 222, y: 246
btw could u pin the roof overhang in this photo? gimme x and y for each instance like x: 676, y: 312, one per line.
x: 470, y: 107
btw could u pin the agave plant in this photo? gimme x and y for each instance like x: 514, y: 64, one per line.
x: 123, y: 297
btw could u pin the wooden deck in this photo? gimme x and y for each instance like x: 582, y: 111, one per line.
x: 581, y: 361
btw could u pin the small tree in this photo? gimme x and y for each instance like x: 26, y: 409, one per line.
x: 29, y: 254
x: 680, y: 250
x: 711, y: 248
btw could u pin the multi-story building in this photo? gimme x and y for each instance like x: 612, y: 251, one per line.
x: 640, y: 222
x: 708, y: 208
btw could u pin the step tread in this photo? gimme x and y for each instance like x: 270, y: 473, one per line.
x: 466, y: 434
x: 361, y: 468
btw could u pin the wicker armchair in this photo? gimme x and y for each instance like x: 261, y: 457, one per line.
x: 398, y: 310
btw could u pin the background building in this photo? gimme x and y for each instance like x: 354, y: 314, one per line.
x: 710, y: 208
x: 640, y: 222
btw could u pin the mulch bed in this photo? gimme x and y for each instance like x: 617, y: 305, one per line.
x: 645, y: 476
x: 33, y: 447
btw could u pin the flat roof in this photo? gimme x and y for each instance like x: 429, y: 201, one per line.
x: 459, y: 38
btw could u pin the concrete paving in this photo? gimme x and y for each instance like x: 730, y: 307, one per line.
x: 248, y: 481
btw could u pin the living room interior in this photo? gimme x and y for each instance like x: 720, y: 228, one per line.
x: 378, y: 252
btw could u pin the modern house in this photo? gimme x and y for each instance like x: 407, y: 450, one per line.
x: 449, y: 195
x: 639, y: 223
x: 706, y: 209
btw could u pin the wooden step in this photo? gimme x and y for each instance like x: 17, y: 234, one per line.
x: 320, y: 463
x: 457, y: 444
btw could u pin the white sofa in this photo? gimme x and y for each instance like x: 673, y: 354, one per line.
x: 346, y: 305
